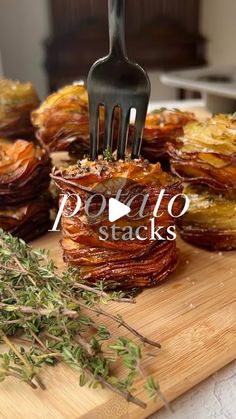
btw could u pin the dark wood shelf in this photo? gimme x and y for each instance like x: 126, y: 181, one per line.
x: 161, y: 34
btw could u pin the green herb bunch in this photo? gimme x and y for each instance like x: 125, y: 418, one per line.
x: 48, y: 317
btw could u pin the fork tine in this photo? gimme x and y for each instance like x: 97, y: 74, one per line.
x: 108, y: 129
x: 123, y: 133
x: 93, y: 127
x: 138, y: 134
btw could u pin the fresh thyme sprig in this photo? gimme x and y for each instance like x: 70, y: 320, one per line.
x: 48, y: 317
x: 107, y: 154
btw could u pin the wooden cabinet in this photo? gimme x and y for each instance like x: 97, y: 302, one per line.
x: 161, y: 34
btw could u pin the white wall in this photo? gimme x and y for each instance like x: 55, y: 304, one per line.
x: 159, y: 91
x: 24, y: 24
x: 218, y: 24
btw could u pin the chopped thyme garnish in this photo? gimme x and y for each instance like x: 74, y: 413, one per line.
x: 107, y: 154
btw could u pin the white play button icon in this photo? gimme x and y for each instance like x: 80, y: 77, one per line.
x: 117, y: 210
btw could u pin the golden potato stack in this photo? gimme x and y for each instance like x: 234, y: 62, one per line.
x: 62, y: 119
x: 125, y: 264
x: 163, y: 126
x: 205, y: 159
x: 17, y: 101
x: 24, y: 181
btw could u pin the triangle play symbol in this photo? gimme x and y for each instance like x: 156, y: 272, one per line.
x: 117, y: 210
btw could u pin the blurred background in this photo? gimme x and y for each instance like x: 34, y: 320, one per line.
x: 53, y: 42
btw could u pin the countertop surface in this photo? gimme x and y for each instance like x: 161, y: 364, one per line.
x: 213, y: 398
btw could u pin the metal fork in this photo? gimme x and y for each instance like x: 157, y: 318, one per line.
x: 115, y: 81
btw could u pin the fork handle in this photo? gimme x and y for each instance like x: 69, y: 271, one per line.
x: 116, y: 28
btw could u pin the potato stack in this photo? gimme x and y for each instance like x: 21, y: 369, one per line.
x: 163, y: 126
x: 62, y: 123
x: 121, y: 262
x: 24, y: 181
x: 62, y: 119
x: 17, y: 100
x: 205, y: 158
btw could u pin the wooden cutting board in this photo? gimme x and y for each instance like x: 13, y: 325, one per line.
x: 193, y: 316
